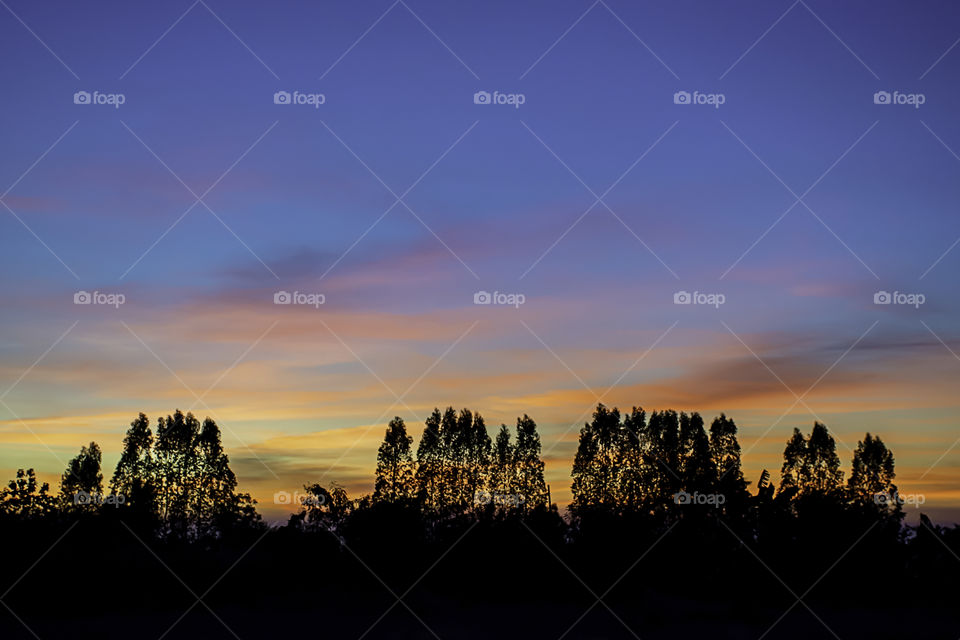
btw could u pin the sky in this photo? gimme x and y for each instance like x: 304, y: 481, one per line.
x: 739, y: 207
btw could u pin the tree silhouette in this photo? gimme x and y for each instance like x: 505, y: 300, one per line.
x: 325, y: 510
x: 637, y: 471
x: 825, y: 476
x: 430, y: 454
x: 214, y: 502
x: 453, y: 461
x: 666, y: 426
x: 640, y: 466
x: 478, y: 449
x: 25, y: 497
x: 598, y: 462
x: 793, y: 472
x: 871, y: 478
x: 502, y: 474
x: 452, y: 456
x: 181, y: 478
x: 765, y: 488
x: 395, y: 472
x: 529, y: 486
x: 699, y: 467
x: 628, y: 473
x: 811, y: 465
x: 872, y: 471
x: 81, y: 485
x: 725, y: 451
x: 175, y: 459
x: 134, y: 474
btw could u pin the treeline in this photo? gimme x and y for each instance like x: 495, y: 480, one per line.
x: 457, y: 471
x: 661, y: 512
x: 633, y: 464
x: 176, y: 482
x: 178, y: 477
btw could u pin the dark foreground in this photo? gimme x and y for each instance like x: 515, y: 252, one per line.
x: 651, y: 617
x: 102, y: 578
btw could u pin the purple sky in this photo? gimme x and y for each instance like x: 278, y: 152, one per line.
x: 600, y: 197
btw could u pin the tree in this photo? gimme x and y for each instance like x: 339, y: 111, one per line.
x: 725, y: 452
x: 323, y: 509
x: 451, y: 456
x: 212, y: 499
x: 501, y: 478
x: 811, y: 465
x: 134, y: 476
x: 698, y: 468
x: 765, y: 488
x: 452, y: 460
x: 530, y: 487
x: 175, y: 462
x: 663, y: 454
x: 477, y: 458
x: 394, y: 479
x: 637, y: 474
x: 181, y: 478
x: 429, y: 476
x: 792, y: 472
x: 872, y: 474
x: 25, y: 497
x: 724, y: 447
x: 669, y: 450
x: 81, y: 485
x: 597, y: 462
x: 825, y: 476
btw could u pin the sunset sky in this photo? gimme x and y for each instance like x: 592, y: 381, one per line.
x: 400, y: 197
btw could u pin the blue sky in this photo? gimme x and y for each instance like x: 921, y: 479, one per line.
x: 797, y: 199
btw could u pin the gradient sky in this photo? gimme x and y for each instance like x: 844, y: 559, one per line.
x: 495, y: 198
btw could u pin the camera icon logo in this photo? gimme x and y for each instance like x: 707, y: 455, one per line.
x: 882, y: 297
x: 282, y: 297
x: 81, y: 97
x: 681, y: 497
x: 82, y: 297
x: 82, y: 497
x: 682, y: 297
x: 481, y: 97
x: 681, y: 97
x: 482, y: 297
x: 310, y: 500
x: 881, y: 97
x: 282, y: 497
x: 281, y: 97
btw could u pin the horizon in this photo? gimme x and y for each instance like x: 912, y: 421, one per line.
x: 746, y: 211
